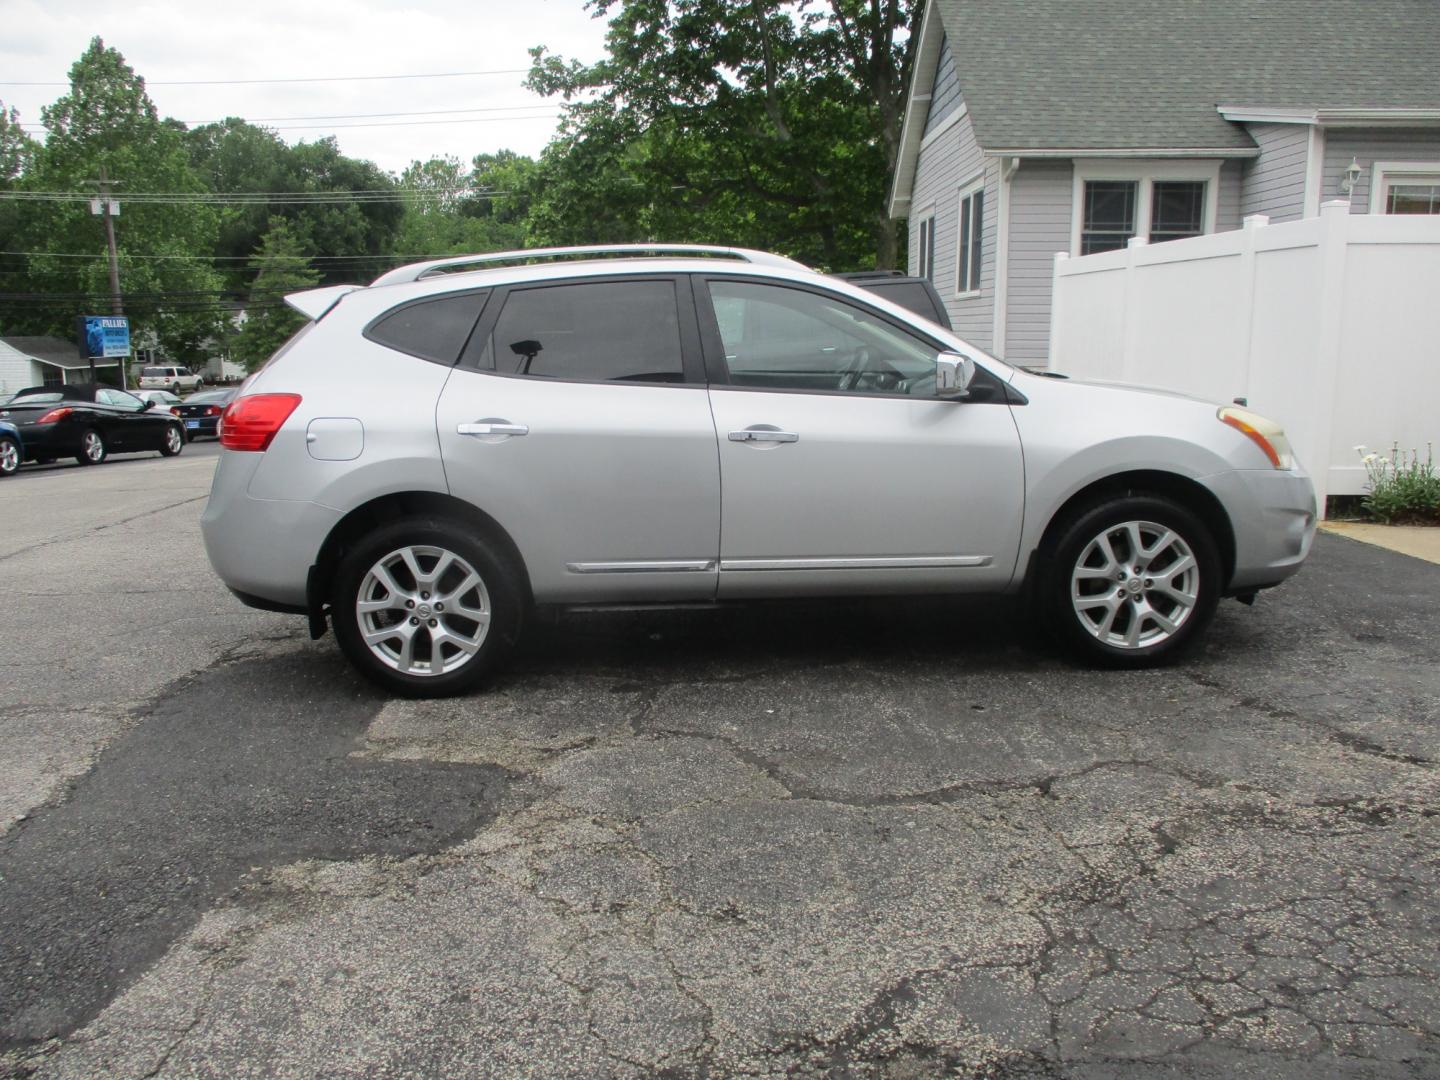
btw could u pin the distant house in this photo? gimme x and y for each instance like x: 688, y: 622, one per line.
x: 1074, y: 125
x: 46, y: 361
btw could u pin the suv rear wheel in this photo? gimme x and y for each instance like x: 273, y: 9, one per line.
x: 425, y: 607
x: 1131, y: 581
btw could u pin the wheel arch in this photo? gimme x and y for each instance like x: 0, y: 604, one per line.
x: 383, y: 510
x: 1190, y: 494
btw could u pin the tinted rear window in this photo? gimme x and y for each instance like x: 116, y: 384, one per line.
x: 160, y: 371
x: 210, y: 397
x: 39, y: 397
x: 908, y: 294
x: 431, y: 329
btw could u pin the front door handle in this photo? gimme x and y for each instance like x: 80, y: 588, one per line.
x: 492, y: 427
x: 763, y: 434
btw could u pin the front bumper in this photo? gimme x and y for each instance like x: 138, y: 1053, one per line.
x: 243, y: 536
x: 1273, y: 516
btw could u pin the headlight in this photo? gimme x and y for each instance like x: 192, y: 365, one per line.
x: 1266, y: 434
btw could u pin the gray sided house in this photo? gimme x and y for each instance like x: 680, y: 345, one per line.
x: 1043, y: 126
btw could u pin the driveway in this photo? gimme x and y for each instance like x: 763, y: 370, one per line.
x: 868, y: 839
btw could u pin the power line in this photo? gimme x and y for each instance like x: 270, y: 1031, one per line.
x: 371, y: 116
x: 305, y: 79
x: 398, y: 123
x: 294, y: 198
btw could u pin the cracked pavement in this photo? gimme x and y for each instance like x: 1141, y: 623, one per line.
x: 864, y: 839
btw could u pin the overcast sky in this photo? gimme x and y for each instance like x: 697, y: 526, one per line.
x: 170, y: 40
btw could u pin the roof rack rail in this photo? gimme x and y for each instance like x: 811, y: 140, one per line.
x: 416, y: 271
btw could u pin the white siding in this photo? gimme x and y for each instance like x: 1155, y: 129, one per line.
x: 1368, y: 147
x: 1040, y: 196
x: 17, y: 370
x: 1228, y: 207
x: 1274, y: 183
x: 945, y: 94
x: 948, y: 163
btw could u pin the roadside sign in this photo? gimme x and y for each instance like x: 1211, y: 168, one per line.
x: 104, y: 336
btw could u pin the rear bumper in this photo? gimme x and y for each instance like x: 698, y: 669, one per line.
x: 49, y: 441
x: 261, y: 548
x: 1273, y: 516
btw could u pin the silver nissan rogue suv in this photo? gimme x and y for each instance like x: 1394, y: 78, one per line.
x: 433, y: 455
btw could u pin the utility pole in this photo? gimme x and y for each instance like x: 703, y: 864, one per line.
x: 106, y: 207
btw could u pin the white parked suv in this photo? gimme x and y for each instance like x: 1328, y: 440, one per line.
x: 172, y: 378
x: 433, y: 455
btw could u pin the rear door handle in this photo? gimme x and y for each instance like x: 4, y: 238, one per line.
x: 492, y: 427
x: 756, y: 434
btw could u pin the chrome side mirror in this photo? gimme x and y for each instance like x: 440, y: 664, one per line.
x: 954, y: 373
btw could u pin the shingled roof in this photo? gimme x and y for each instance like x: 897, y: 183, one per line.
x: 1039, y: 74
x: 52, y: 350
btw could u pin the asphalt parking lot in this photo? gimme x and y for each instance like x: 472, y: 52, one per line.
x: 871, y: 839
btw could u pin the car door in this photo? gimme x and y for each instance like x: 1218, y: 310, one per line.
x: 125, y: 423
x: 578, y: 418
x: 841, y: 471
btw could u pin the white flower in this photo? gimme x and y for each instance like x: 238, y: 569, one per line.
x: 1360, y: 449
x: 1370, y: 457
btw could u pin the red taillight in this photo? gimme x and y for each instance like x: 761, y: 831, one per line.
x: 174, y: 411
x: 213, y: 410
x: 54, y: 416
x: 249, y: 423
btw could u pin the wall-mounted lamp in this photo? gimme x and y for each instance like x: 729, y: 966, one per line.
x: 1352, y: 176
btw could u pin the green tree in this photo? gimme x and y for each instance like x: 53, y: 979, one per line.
x: 238, y: 157
x: 767, y: 122
x: 452, y: 210
x: 281, y: 266
x: 17, y: 149
x: 168, y: 282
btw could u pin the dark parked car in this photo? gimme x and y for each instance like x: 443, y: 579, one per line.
x: 201, y: 412
x: 915, y: 294
x: 90, y: 422
x: 12, y: 448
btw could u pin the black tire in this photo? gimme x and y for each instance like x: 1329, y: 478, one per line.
x: 93, y: 450
x: 175, y: 389
x: 501, y: 583
x: 1076, y: 601
x: 173, y: 442
x: 9, y: 456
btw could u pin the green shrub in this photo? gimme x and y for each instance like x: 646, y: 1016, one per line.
x: 1402, y: 489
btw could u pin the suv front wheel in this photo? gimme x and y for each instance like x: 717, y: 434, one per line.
x: 1131, y: 581
x: 425, y: 607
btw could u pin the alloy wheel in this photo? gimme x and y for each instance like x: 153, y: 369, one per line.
x: 1135, y: 584
x: 9, y: 457
x: 423, y: 610
x: 93, y: 446
x: 173, y: 439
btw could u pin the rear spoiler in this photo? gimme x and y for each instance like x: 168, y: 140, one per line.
x: 314, y: 303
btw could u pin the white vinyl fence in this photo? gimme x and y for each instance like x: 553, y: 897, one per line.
x: 1330, y: 325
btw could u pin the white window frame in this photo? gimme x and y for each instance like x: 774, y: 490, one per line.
x: 966, y: 190
x: 922, y: 220
x: 1144, y: 171
x: 1383, y: 172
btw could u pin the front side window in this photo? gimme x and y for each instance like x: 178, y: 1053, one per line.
x: 602, y: 331
x: 972, y: 215
x: 790, y: 339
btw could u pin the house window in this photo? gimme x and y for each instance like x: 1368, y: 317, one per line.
x: 967, y: 254
x: 925, y: 246
x: 1157, y: 199
x: 1109, y: 215
x: 1405, y: 188
x: 1177, y: 209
